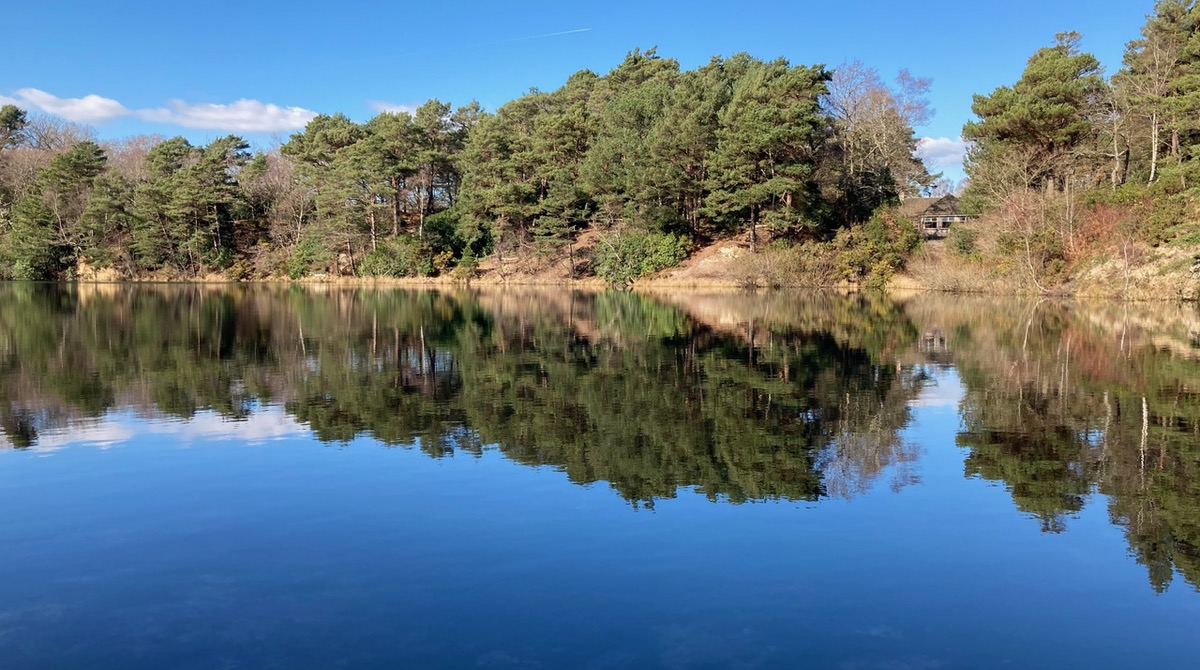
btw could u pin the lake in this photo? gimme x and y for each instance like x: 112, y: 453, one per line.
x: 277, y: 477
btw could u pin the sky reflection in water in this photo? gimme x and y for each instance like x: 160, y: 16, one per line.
x: 264, y: 478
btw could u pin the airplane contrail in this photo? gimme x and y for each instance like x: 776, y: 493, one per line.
x: 564, y: 32
x: 538, y: 37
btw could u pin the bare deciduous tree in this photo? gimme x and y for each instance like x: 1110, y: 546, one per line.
x: 874, y: 126
x: 54, y: 133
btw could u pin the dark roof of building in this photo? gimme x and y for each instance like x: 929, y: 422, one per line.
x: 944, y: 206
x: 911, y: 207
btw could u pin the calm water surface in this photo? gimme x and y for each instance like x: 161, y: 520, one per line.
x: 281, y: 478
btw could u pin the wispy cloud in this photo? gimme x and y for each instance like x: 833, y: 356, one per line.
x: 392, y: 107
x: 248, y: 116
x: 88, y: 109
x: 942, y: 152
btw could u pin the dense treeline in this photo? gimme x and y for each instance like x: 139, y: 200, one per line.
x: 1075, y: 172
x: 1075, y: 177
x: 647, y: 160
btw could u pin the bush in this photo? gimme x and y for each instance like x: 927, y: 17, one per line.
x: 1161, y: 208
x: 23, y: 270
x: 308, y: 254
x: 442, y: 232
x: 1165, y: 219
x: 467, y: 266
x: 403, y: 256
x: 630, y: 254
x: 783, y: 264
x: 875, y: 250
x: 963, y: 240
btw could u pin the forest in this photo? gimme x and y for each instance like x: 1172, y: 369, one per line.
x: 649, y: 160
x: 1076, y: 179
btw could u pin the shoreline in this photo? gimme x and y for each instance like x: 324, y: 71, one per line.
x: 901, y: 286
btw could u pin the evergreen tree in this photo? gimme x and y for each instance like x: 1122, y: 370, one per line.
x: 1046, y: 121
x: 47, y: 222
x: 12, y: 123
x: 763, y: 166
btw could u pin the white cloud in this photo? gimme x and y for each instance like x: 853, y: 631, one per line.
x: 392, y: 107
x: 946, y: 391
x: 88, y: 109
x: 942, y: 152
x: 266, y: 424
x: 248, y: 116
x: 103, y: 433
x: 116, y: 429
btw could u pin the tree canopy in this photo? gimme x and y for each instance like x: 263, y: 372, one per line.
x: 644, y: 162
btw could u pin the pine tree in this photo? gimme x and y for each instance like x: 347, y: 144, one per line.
x: 762, y: 168
x: 1048, y: 118
x: 47, y: 222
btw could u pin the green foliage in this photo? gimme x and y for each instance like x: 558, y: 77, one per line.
x: 1158, y: 93
x: 25, y: 269
x: 1035, y: 128
x: 47, y: 223
x: 184, y: 213
x: 737, y: 145
x: 108, y: 221
x: 12, y: 122
x: 762, y: 166
x: 308, y: 255
x: 39, y: 256
x: 523, y: 167
x: 963, y: 240
x: 631, y: 254
x: 443, y: 233
x: 874, y: 251
x: 1160, y: 213
x: 466, y: 267
x: 1167, y: 218
x: 399, y: 257
x: 1063, y: 152
x: 625, y: 110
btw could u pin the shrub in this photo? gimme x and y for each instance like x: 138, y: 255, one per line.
x: 873, y: 251
x: 403, y: 256
x: 963, y: 240
x: 467, y: 266
x: 22, y: 269
x: 308, y: 254
x: 630, y: 254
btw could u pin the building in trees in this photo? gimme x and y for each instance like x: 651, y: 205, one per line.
x: 933, y: 216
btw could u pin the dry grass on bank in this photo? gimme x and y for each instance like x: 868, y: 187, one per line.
x: 1099, y: 258
x: 934, y: 268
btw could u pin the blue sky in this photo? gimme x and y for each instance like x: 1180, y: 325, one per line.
x: 262, y: 68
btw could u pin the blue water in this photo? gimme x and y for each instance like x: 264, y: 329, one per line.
x: 132, y: 540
